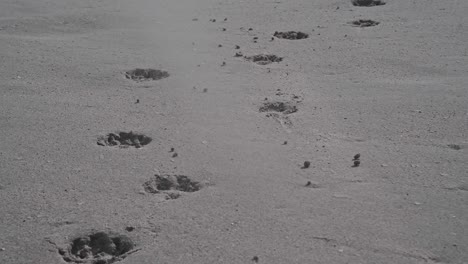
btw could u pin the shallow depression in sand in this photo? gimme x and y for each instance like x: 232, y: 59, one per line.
x: 263, y: 59
x: 364, y: 23
x: 367, y: 2
x: 124, y: 140
x: 282, y: 107
x: 98, y: 248
x: 146, y: 74
x: 167, y: 184
x: 455, y: 146
x: 292, y: 35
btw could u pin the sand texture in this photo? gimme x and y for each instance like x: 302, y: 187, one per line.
x: 225, y: 131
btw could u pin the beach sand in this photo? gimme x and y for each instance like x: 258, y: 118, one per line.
x: 213, y: 169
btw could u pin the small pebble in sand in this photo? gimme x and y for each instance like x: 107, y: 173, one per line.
x: 224, y: 29
x: 285, y: 142
x: 255, y: 259
x: 172, y: 150
x: 175, y: 155
x: 225, y: 19
x: 308, y: 184
x: 357, y: 156
x: 250, y: 29
x: 237, y: 47
x: 219, y: 46
x: 223, y: 64
x: 356, y: 163
x: 306, y: 164
x: 137, y: 101
x: 129, y: 228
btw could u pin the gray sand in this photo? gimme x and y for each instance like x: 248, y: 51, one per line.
x: 395, y: 92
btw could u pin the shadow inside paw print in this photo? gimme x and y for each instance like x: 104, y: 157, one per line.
x: 98, y: 248
x: 146, y: 74
x: 124, y: 140
x: 171, y: 185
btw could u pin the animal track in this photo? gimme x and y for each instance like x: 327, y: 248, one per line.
x: 367, y: 2
x: 455, y: 146
x: 263, y: 59
x: 279, y: 111
x: 124, y: 140
x: 167, y: 184
x: 98, y: 248
x: 283, y: 107
x: 284, y: 120
x: 364, y: 23
x: 146, y: 74
x: 291, y: 35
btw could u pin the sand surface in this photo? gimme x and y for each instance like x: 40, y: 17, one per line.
x: 395, y: 92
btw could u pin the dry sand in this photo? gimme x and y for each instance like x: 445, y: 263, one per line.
x: 396, y: 93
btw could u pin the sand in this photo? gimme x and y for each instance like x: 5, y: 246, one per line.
x: 213, y: 169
